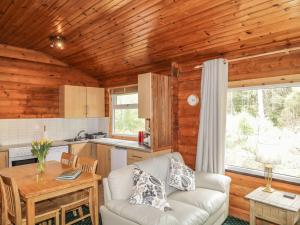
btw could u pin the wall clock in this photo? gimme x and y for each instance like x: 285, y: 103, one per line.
x: 193, y: 100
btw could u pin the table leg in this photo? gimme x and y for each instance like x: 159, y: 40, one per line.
x: 290, y: 218
x: 91, y: 205
x: 96, y: 200
x: 30, y: 212
x: 252, y: 214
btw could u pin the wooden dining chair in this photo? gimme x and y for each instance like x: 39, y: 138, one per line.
x: 3, y: 204
x: 80, y: 199
x: 68, y: 159
x: 15, y: 214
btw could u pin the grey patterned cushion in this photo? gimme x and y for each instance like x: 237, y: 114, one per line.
x: 148, y: 190
x: 181, y: 176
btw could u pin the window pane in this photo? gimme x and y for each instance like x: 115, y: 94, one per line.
x: 261, y: 119
x: 127, y: 99
x: 126, y: 122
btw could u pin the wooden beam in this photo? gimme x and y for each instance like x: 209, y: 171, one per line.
x: 28, y: 55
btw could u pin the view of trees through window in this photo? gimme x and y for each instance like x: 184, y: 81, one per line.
x: 267, y: 116
x: 125, y: 115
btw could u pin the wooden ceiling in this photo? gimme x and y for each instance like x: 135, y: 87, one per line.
x: 114, y: 38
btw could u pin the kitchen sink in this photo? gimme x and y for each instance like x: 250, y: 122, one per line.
x: 75, y: 139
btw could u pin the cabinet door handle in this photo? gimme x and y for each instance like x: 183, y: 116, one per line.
x: 135, y: 156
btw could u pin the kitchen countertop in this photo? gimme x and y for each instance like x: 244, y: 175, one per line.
x: 105, y: 141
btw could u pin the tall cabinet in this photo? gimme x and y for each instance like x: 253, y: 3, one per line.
x: 81, y: 102
x: 155, y: 105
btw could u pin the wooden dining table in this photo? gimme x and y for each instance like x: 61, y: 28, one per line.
x: 35, y: 188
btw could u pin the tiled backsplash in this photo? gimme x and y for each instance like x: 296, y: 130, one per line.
x: 17, y: 131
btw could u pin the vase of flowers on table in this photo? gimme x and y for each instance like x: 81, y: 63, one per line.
x: 40, y: 150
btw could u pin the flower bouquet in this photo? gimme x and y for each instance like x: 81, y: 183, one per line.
x: 40, y: 150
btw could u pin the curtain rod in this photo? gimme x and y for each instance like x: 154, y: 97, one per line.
x: 287, y: 51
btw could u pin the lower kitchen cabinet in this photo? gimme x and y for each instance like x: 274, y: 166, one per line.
x: 81, y: 149
x: 3, y: 159
x: 134, y: 156
x: 104, y: 162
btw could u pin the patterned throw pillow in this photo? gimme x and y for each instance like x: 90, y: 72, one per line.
x: 181, y: 176
x: 148, y: 190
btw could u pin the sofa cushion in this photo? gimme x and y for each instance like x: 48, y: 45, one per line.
x: 148, y: 190
x: 121, y: 182
x: 206, y: 199
x: 181, y: 176
x: 159, y: 167
x: 181, y: 213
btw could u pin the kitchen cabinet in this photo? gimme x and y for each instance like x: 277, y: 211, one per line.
x: 155, y: 105
x: 3, y: 159
x: 81, y: 102
x: 82, y: 149
x: 134, y: 156
x: 95, y: 102
x: 104, y: 161
x: 145, y: 96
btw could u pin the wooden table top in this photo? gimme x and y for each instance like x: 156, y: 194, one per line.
x: 31, y: 184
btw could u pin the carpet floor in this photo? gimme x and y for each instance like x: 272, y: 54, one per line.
x: 70, y: 216
x: 229, y: 221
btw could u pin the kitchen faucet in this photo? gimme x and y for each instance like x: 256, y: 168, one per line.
x: 78, y: 135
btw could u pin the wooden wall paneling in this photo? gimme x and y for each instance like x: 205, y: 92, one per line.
x: 30, y: 89
x: 8, y: 51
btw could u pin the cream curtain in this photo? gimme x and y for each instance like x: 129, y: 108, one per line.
x: 211, y: 136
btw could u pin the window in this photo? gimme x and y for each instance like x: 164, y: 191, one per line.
x: 264, y: 117
x: 125, y: 121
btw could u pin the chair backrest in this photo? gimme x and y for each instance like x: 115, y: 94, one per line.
x: 3, y: 204
x: 87, y: 164
x: 68, y: 159
x: 11, y: 200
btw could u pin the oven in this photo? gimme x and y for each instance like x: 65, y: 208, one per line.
x: 20, y: 156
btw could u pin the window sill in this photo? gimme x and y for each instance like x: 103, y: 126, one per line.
x: 122, y: 137
x: 260, y: 174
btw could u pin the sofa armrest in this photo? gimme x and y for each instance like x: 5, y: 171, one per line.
x: 213, y: 181
x: 106, y: 190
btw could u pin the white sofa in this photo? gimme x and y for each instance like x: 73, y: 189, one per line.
x: 207, y: 205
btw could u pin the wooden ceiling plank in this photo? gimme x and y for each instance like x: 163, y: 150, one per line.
x: 13, y: 11
x: 33, y: 19
x: 149, y: 19
x: 64, y: 23
x: 49, y: 21
x: 229, y: 36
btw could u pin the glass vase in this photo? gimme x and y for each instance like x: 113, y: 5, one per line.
x: 41, y: 165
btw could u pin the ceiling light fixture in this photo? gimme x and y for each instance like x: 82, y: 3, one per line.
x: 57, y: 41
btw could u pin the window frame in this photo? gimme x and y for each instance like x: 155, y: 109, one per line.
x: 121, y: 106
x: 254, y: 172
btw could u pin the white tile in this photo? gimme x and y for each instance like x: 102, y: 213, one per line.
x: 14, y: 131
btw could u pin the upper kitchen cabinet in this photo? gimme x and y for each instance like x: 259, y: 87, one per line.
x: 81, y: 102
x: 155, y: 105
x: 145, y: 95
x: 95, y: 102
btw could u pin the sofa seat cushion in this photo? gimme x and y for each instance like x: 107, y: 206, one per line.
x: 181, y: 213
x: 206, y: 199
